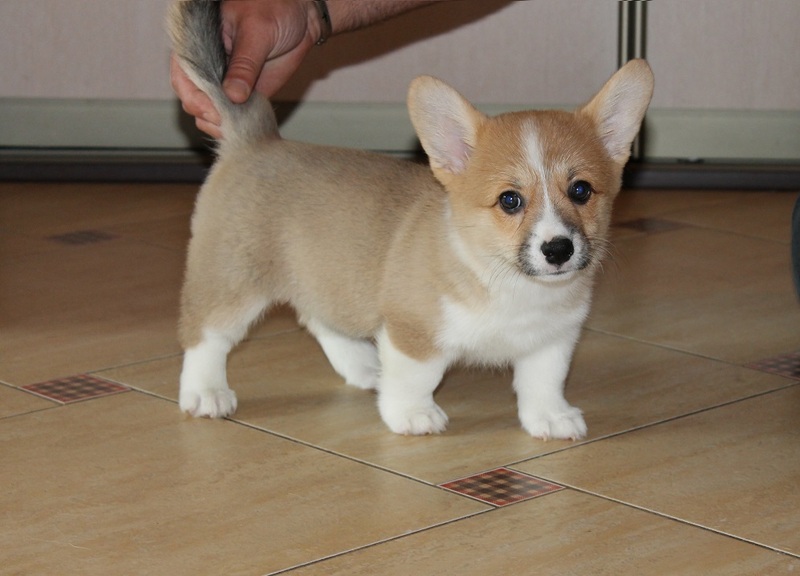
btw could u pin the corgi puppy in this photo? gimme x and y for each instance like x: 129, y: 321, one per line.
x: 400, y: 270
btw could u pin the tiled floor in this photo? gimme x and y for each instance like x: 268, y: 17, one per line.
x: 688, y: 374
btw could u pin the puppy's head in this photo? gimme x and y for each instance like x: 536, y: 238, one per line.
x: 531, y: 190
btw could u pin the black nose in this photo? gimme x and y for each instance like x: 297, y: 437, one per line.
x: 558, y: 250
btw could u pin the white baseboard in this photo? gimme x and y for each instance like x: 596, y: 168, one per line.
x: 121, y: 124
x: 723, y: 134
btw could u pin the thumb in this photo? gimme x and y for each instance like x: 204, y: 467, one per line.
x: 249, y: 52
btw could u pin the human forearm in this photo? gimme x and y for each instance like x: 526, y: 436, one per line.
x: 349, y: 15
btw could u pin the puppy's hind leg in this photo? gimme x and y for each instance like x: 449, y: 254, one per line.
x: 354, y: 359
x: 204, y: 389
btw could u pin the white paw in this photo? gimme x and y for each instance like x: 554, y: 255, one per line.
x: 414, y: 420
x: 212, y: 403
x: 565, y: 424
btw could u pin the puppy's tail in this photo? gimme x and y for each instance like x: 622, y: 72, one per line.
x: 195, y: 28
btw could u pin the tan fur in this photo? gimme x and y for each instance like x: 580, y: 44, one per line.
x: 301, y: 224
x: 314, y: 226
x: 368, y: 246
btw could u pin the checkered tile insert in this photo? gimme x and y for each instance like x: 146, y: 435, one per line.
x: 650, y: 225
x: 81, y: 237
x: 75, y: 388
x: 501, y: 487
x: 786, y: 365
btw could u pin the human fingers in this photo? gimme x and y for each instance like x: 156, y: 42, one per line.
x: 266, y: 42
x: 250, y: 40
x: 213, y: 130
x: 194, y: 100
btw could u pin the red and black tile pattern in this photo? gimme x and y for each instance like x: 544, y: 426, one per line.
x: 785, y: 365
x: 501, y: 487
x: 75, y: 388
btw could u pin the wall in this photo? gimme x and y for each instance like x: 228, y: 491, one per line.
x: 77, y: 49
x: 727, y: 79
x: 725, y: 54
x: 498, y: 51
x: 95, y: 72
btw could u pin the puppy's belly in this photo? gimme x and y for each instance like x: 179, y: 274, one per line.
x: 350, y: 308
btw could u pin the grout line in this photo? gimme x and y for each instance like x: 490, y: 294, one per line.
x: 147, y: 392
x: 360, y: 461
x: 331, y: 452
x: 683, y: 225
x: 674, y: 518
x: 54, y: 406
x: 292, y: 439
x: 407, y: 476
x: 654, y: 344
x: 677, y: 350
x: 99, y: 371
x: 274, y: 434
x: 379, y: 542
x: 656, y: 423
x: 366, y: 463
x: 488, y: 507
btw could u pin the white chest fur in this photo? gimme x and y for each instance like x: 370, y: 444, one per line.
x: 514, y: 321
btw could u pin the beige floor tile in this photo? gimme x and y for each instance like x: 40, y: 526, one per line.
x: 766, y: 215
x: 15, y: 246
x: 74, y: 309
x: 124, y: 484
x: 42, y: 209
x: 735, y: 469
x: 127, y: 482
x: 31, y: 214
x: 712, y: 293
x: 170, y: 232
x: 622, y: 384
x: 561, y: 534
x: 14, y: 402
x: 87, y: 307
x: 286, y: 385
x: 637, y: 204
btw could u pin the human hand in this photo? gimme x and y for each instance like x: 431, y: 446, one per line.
x: 194, y: 101
x: 266, y: 41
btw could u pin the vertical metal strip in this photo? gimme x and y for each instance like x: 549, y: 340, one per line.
x: 632, y: 43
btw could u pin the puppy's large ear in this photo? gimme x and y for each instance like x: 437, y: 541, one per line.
x: 446, y: 125
x: 618, y: 109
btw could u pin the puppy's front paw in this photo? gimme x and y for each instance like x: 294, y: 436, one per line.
x: 564, y: 424
x: 211, y: 403
x: 414, y: 420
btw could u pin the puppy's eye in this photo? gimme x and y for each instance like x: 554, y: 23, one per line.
x: 510, y: 201
x: 580, y: 191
